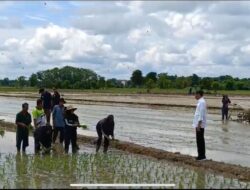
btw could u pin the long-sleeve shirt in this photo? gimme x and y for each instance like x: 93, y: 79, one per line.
x: 106, y: 127
x: 46, y: 98
x: 225, y: 102
x: 200, y: 114
x: 58, y: 116
x: 71, y: 120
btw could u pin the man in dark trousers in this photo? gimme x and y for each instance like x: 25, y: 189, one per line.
x: 58, y: 114
x: 47, y: 102
x: 200, y: 123
x: 43, y: 130
x: 23, y: 121
x: 71, y: 124
x: 55, y: 98
x: 225, y: 102
x: 105, y: 127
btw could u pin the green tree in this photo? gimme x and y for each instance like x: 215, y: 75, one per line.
x: 101, y: 82
x: 33, y: 80
x: 21, y: 81
x: 215, y: 86
x: 230, y: 85
x: 6, y: 82
x: 150, y: 84
x: 137, y: 78
x: 240, y: 85
x: 163, y: 81
x: 151, y: 75
x: 206, y: 83
x: 195, y: 80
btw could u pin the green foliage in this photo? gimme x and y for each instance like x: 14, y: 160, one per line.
x: 79, y: 78
x: 21, y: 82
x: 150, y: 84
x: 33, y: 80
x: 195, y: 80
x: 215, y: 86
x: 137, y: 78
x: 230, y: 85
x: 163, y: 81
x: 152, y: 76
x: 67, y: 77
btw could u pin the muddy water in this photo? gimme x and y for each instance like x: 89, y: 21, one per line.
x: 59, y: 171
x: 168, y: 129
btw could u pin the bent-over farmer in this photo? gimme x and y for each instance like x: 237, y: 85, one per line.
x: 105, y: 127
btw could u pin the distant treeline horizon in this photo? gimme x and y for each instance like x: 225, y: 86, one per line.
x: 79, y: 78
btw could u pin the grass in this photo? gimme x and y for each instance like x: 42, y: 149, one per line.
x: 129, y: 91
x: 58, y: 171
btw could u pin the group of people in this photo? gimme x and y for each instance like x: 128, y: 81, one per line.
x: 64, y: 121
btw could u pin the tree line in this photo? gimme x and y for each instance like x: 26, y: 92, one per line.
x: 79, y: 78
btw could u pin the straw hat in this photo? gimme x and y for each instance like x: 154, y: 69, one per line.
x: 70, y: 107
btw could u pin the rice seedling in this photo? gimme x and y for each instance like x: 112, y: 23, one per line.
x: 48, y: 171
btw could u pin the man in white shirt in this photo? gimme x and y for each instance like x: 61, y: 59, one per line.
x: 200, y: 123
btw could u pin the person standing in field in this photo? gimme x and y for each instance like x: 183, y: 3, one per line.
x: 43, y: 130
x: 71, y: 124
x: 225, y: 103
x: 58, y: 120
x: 200, y: 123
x: 47, y: 102
x: 105, y: 127
x: 55, y: 98
x: 23, y: 121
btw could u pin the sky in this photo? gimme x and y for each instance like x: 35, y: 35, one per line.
x: 114, y: 38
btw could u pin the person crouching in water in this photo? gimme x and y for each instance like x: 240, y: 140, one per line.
x: 71, y: 124
x: 105, y: 127
x: 43, y: 131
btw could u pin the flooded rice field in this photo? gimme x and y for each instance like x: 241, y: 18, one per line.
x: 59, y: 170
x: 168, y: 129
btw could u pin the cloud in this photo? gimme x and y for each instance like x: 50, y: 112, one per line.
x: 113, y: 38
x: 10, y: 22
x: 55, y: 45
x: 36, y: 18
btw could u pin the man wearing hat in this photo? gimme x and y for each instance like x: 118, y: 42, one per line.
x: 71, y: 124
x: 58, y: 120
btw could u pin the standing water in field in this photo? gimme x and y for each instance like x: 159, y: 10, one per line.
x: 59, y: 170
x: 169, y: 129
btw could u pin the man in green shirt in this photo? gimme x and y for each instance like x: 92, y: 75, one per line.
x: 43, y: 130
x: 23, y: 121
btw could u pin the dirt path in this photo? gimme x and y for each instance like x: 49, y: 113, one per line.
x: 227, y: 170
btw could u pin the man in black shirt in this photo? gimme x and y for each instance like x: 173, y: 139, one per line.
x: 23, y: 121
x: 105, y: 127
x: 225, y: 103
x: 55, y: 98
x: 47, y: 103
